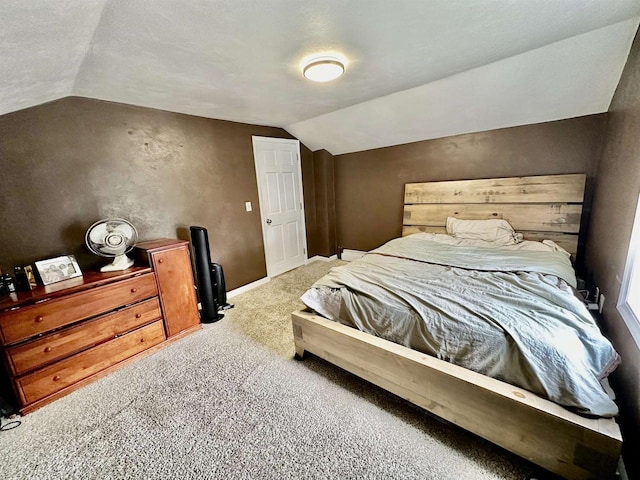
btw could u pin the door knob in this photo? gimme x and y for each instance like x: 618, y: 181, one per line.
x: 268, y: 221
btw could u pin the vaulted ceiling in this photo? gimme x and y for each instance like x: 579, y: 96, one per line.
x: 415, y: 69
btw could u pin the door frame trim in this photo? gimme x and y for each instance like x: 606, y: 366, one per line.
x: 289, y: 141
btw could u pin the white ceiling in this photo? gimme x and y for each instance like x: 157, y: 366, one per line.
x: 415, y: 69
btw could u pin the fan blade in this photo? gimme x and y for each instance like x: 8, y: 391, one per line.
x: 98, y: 233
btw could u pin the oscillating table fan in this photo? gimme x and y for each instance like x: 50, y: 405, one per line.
x: 112, y: 237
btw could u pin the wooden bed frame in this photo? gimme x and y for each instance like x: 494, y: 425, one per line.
x: 537, y: 429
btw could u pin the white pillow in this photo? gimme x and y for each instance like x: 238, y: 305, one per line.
x: 496, y: 231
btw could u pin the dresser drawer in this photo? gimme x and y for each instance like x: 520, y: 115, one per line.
x: 33, y: 320
x: 48, y: 380
x: 55, y: 346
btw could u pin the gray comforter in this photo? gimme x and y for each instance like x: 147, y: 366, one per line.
x: 509, y: 315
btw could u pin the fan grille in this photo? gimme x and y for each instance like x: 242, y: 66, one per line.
x: 111, y: 237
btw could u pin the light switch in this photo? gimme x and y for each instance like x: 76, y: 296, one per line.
x: 247, y: 205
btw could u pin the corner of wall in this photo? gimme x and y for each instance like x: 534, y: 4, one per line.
x: 325, y: 200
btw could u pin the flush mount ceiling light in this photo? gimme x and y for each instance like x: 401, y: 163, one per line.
x: 323, y: 69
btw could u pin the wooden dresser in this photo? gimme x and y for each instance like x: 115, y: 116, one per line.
x: 59, y: 337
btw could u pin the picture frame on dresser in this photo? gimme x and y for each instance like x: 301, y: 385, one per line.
x: 31, y: 277
x: 58, y: 269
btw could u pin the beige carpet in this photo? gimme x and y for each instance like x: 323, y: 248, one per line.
x: 264, y: 314
x: 230, y: 402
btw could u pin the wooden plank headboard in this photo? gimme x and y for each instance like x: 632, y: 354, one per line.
x: 541, y: 207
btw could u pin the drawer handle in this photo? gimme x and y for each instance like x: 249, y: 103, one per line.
x: 47, y: 349
x: 161, y: 260
x: 138, y: 315
x: 142, y: 340
x: 134, y: 290
x: 39, y: 318
x: 56, y: 378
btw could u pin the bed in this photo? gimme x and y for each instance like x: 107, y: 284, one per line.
x: 547, y: 207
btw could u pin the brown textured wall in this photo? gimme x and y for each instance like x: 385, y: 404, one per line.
x: 323, y: 167
x: 369, y: 185
x: 615, y: 199
x: 309, y: 187
x: 71, y: 162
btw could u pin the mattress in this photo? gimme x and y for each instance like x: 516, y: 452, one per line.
x: 507, y: 312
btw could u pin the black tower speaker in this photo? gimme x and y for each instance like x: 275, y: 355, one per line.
x: 206, y: 282
x: 219, y: 287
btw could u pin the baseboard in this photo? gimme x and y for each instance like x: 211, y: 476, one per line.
x: 262, y: 281
x: 320, y: 258
x: 247, y: 287
x: 351, y: 255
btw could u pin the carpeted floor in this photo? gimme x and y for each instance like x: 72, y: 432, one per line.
x: 230, y: 402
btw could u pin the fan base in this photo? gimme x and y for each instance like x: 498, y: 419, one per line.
x: 121, y: 262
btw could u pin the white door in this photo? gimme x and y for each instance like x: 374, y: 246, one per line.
x: 279, y: 175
